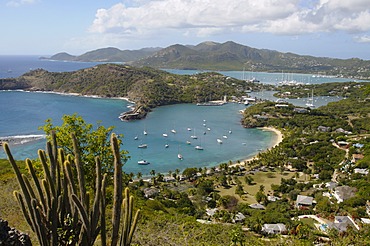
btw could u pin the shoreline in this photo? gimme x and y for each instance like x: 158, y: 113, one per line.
x: 278, y: 139
x: 73, y: 94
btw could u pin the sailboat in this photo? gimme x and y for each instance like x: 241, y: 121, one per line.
x: 179, y: 155
x: 199, y: 147
x: 143, y: 162
x: 143, y: 146
x: 310, y: 101
x: 194, y: 136
x: 219, y: 141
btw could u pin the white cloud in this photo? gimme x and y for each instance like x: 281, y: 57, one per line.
x: 18, y: 3
x: 210, y: 17
x: 363, y: 39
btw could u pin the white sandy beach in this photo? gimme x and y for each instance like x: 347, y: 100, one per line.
x: 278, y: 140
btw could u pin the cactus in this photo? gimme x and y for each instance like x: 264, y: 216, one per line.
x: 58, y: 203
x: 129, y: 223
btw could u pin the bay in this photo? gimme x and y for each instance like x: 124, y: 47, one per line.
x: 23, y: 112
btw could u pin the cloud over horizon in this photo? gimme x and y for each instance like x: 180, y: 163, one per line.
x: 18, y: 3
x: 202, y: 18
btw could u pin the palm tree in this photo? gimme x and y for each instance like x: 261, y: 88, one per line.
x: 139, y: 175
x: 152, y: 172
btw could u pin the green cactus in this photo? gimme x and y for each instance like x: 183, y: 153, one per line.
x: 58, y: 208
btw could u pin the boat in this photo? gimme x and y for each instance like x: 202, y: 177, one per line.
x: 230, y: 132
x: 143, y: 162
x: 198, y: 147
x: 136, y: 138
x: 143, y: 146
x: 173, y: 131
x: 224, y: 136
x: 189, y: 129
x: 219, y: 141
x: 188, y: 142
x: 166, y: 145
x: 178, y: 153
x: 194, y: 136
x: 208, y: 129
x: 165, y: 135
x: 310, y: 101
x: 145, y: 132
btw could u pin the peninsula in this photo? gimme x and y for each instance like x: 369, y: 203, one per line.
x: 146, y: 87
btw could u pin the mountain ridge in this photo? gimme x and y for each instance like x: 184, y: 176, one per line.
x: 229, y: 55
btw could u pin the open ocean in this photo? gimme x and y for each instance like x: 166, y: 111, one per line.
x: 23, y: 112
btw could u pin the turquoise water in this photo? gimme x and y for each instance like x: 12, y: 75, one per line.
x: 23, y: 112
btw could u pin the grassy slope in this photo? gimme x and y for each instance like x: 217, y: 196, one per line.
x: 9, y: 208
x: 260, y: 178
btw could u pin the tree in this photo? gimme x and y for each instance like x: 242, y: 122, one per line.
x: 92, y: 142
x: 190, y: 172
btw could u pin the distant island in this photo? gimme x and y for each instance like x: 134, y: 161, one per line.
x: 225, y: 56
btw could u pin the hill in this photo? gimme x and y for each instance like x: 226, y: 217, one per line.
x: 233, y: 56
x: 226, y: 56
x: 148, y: 87
x: 109, y: 54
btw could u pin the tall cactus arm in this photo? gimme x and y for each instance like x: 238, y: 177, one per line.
x: 41, y: 229
x: 43, y: 159
x: 37, y: 183
x: 129, y: 224
x: 24, y: 210
x: 29, y: 188
x: 117, y: 201
x: 69, y: 176
x: 96, y: 205
x: 84, y: 217
x: 18, y: 174
x: 52, y: 159
x: 133, y: 227
x: 80, y: 174
x: 102, y: 212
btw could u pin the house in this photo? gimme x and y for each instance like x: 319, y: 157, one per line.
x: 363, y: 171
x: 342, y: 222
x: 257, y: 206
x: 323, y: 129
x: 300, y: 110
x: 343, y: 144
x: 150, y: 192
x: 331, y: 185
x: 281, y: 105
x: 273, y: 198
x: 274, y: 228
x: 304, y: 201
x: 239, y: 217
x: 358, y: 145
x: 211, y: 211
x: 365, y: 220
x: 357, y: 157
x: 343, y: 193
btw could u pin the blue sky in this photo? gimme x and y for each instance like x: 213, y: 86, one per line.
x: 330, y: 28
